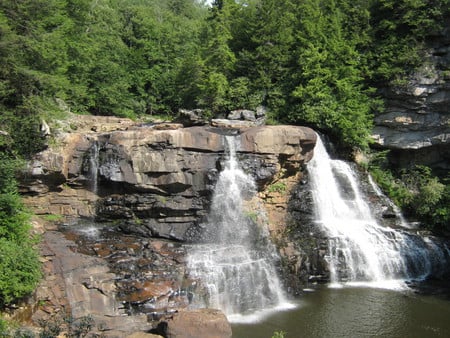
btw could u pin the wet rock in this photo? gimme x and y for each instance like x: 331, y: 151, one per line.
x: 79, y: 285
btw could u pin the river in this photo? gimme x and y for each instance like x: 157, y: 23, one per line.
x: 356, y: 312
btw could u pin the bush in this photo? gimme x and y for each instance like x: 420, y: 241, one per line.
x: 19, y: 261
x: 3, y: 328
x: 19, y: 270
x: 417, y: 191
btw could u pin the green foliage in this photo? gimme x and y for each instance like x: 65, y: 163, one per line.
x: 3, y: 328
x: 20, y: 270
x: 252, y: 216
x: 279, y: 187
x: 330, y: 90
x: 279, y: 334
x: 19, y: 264
x: 53, y: 218
x: 399, y: 29
x: 52, y: 328
x: 419, y: 193
x: 214, y: 90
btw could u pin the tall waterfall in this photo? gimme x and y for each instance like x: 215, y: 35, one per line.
x: 236, y: 267
x: 360, y: 249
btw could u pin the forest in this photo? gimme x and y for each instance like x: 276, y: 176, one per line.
x: 317, y: 63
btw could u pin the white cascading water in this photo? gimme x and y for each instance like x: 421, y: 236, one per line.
x: 93, y: 166
x: 360, y: 249
x: 239, y: 278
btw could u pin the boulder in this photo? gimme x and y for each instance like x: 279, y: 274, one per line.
x: 202, y: 323
x: 194, y: 117
x: 232, y: 124
x: 281, y: 140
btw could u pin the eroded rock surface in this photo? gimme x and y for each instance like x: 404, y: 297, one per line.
x: 158, y: 183
x: 152, y: 185
x: 416, y: 122
x: 81, y: 286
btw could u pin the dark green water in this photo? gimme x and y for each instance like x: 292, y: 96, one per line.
x: 356, y: 312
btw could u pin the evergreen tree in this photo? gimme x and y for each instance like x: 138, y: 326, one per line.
x: 329, y: 89
x: 218, y: 58
x: 399, y: 29
x: 19, y: 264
x: 269, y: 57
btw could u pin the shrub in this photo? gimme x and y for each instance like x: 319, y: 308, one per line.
x: 417, y: 191
x: 19, y: 261
x: 279, y: 187
x: 19, y: 270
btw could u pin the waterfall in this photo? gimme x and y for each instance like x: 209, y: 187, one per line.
x: 236, y: 266
x: 360, y: 249
x: 93, y: 167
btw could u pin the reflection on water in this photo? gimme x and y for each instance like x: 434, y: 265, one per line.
x: 357, y: 312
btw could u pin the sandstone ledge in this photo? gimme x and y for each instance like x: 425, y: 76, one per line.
x: 157, y: 182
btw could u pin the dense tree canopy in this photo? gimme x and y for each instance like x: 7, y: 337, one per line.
x: 311, y: 61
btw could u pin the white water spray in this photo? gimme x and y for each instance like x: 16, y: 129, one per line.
x: 237, y: 267
x: 360, y: 249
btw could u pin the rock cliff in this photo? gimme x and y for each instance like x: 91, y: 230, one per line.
x: 156, y: 179
x: 154, y: 183
x: 416, y: 122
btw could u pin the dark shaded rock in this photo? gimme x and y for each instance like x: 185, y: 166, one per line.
x: 194, y: 117
x: 304, y: 257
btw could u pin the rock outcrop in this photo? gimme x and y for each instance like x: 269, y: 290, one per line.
x: 155, y: 182
x: 202, y: 323
x: 158, y: 183
x: 416, y: 122
x: 81, y: 286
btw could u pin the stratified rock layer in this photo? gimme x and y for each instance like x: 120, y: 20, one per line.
x: 416, y: 122
x: 156, y: 181
x: 150, y: 181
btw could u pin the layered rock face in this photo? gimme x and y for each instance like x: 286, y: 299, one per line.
x: 416, y: 123
x: 155, y: 182
x: 158, y: 183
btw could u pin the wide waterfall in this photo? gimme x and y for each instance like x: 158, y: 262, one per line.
x: 361, y: 249
x: 236, y: 265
